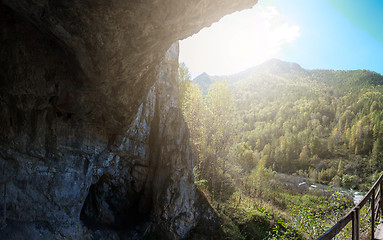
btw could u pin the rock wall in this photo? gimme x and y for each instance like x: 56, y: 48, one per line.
x: 91, y: 139
x: 115, y: 47
x: 152, y: 187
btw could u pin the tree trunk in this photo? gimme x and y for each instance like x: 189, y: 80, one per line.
x: 213, y: 183
x: 222, y: 182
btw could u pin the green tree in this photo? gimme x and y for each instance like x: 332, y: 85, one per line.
x: 376, y: 161
x: 194, y: 112
x: 304, y: 156
x: 183, y: 82
x: 315, y: 146
x: 219, y: 118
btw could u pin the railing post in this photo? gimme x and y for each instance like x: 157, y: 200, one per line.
x: 381, y: 198
x: 355, y: 224
x: 372, y: 214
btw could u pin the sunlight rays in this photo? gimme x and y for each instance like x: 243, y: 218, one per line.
x: 238, y: 41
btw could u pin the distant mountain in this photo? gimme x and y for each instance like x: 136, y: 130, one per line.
x: 347, y: 79
x: 289, y: 72
x: 272, y: 66
x: 284, y: 112
x: 203, y: 81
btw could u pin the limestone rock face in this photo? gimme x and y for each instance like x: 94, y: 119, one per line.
x: 91, y: 139
x: 153, y: 183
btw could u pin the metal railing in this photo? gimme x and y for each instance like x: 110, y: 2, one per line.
x: 375, y: 195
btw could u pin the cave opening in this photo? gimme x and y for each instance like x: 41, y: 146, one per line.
x: 279, y: 139
x: 109, y: 205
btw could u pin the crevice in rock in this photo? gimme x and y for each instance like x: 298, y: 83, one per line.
x: 106, y: 207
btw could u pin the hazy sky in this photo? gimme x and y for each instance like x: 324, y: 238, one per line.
x: 325, y: 34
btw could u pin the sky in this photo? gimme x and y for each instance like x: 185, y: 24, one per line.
x: 320, y: 34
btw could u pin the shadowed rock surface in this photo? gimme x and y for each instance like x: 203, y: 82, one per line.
x: 116, y: 47
x: 91, y: 139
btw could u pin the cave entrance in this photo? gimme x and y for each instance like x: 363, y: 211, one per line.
x: 233, y: 50
x: 110, y: 205
x: 222, y: 53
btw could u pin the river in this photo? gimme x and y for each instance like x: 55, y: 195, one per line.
x: 301, y: 184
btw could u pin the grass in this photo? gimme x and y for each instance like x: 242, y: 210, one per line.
x: 281, y: 215
x: 281, y: 212
x: 244, y: 217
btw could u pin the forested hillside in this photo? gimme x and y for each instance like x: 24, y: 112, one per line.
x: 278, y: 119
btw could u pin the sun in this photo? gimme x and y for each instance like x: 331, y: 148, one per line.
x: 238, y: 41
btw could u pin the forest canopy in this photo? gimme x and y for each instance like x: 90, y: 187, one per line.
x: 278, y: 118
